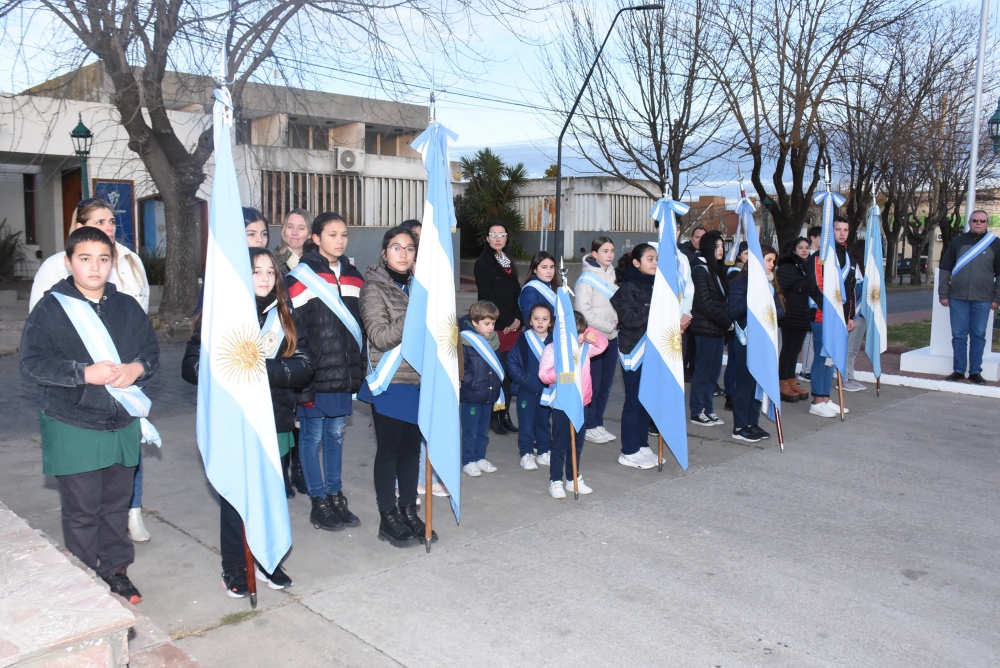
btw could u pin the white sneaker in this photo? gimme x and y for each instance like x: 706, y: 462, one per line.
x: 582, y: 487
x: 556, y: 490
x: 421, y: 490
x: 472, y: 470
x: 823, y: 410
x: 485, y: 466
x: 440, y: 490
x: 528, y: 463
x: 136, y: 529
x: 648, y: 453
x: 606, y: 434
x: 542, y: 460
x: 594, y: 436
x: 638, y: 461
x: 852, y: 385
x: 836, y: 407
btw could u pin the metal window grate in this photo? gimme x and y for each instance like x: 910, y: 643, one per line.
x: 283, y: 191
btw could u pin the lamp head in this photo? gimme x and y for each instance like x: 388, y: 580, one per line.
x: 994, y: 124
x: 82, y: 138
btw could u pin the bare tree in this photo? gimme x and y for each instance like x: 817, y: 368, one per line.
x: 650, y: 115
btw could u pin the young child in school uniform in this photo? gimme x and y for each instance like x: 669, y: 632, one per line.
x: 85, y: 345
x: 535, y: 438
x: 481, y: 392
x: 560, y: 457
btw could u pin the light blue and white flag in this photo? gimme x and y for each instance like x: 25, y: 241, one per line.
x: 661, y: 387
x: 738, y: 238
x: 834, y: 324
x: 566, y: 393
x: 762, y: 318
x: 235, y: 422
x: 430, y: 334
x: 873, y: 305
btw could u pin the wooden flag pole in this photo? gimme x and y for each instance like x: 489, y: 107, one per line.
x: 428, y: 502
x: 840, y: 391
x: 781, y: 434
x: 878, y: 386
x: 251, y: 575
x: 659, y: 456
x: 572, y: 449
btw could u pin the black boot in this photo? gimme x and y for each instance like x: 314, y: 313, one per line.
x: 412, y: 520
x: 298, y: 481
x: 323, y: 516
x: 289, y: 492
x: 507, y: 422
x: 338, y: 502
x: 497, y: 424
x: 395, y: 531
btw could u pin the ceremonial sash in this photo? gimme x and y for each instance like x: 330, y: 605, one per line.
x: 330, y: 297
x: 545, y: 290
x: 549, y: 393
x: 633, y: 360
x: 596, y: 283
x: 272, y: 334
x: 485, y: 351
x: 99, y: 345
x: 969, y: 255
x: 380, y: 379
x: 535, y: 343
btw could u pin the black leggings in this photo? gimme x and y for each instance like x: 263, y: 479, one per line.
x: 397, y: 457
x: 791, y: 346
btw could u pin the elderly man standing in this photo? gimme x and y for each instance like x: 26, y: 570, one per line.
x: 969, y: 286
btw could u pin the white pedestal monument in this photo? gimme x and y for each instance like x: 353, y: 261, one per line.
x: 937, y: 359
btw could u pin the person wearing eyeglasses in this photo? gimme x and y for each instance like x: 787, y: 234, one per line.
x: 496, y: 281
x: 969, y: 285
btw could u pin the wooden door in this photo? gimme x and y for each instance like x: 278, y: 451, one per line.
x: 72, y: 193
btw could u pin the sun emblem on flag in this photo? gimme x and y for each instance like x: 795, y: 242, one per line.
x: 671, y: 343
x: 240, y: 356
x: 874, y: 294
x: 768, y: 317
x: 447, y: 337
x: 837, y: 298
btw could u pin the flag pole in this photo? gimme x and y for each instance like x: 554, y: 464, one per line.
x: 840, y: 391
x: 428, y: 502
x: 572, y: 449
x: 251, y: 575
x: 781, y: 433
x: 659, y: 456
x: 878, y: 386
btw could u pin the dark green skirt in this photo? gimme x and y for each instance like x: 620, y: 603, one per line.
x: 67, y: 449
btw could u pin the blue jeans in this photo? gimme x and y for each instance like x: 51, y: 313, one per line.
x: 707, y: 365
x: 137, y: 483
x: 535, y: 421
x: 635, y: 419
x: 746, y: 409
x: 475, y: 431
x: 321, y: 439
x: 560, y: 457
x: 602, y: 374
x: 821, y: 375
x: 968, y: 334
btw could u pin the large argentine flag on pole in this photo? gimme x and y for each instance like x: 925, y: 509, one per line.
x: 566, y: 393
x: 873, y: 305
x: 661, y: 387
x: 235, y: 421
x: 762, y: 318
x: 430, y: 334
x: 834, y: 325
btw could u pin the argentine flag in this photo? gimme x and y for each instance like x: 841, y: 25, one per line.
x: 661, y: 386
x: 566, y: 393
x: 430, y: 333
x: 834, y: 325
x: 873, y: 305
x: 235, y: 422
x: 762, y: 318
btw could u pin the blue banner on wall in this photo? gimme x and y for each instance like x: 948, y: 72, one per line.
x: 120, y: 195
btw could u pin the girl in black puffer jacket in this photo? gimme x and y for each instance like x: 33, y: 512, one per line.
x: 710, y: 324
x: 799, y: 316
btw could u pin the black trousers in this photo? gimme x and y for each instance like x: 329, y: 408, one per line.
x: 231, y: 536
x: 95, y: 517
x: 791, y: 346
x: 397, y: 458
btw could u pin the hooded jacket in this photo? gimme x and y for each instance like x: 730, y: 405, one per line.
x: 709, y: 313
x: 383, y: 310
x: 794, y: 284
x: 594, y: 306
x: 480, y: 383
x: 631, y: 304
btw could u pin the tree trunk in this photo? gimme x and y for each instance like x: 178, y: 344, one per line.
x: 180, y: 287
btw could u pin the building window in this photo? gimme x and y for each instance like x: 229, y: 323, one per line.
x: 244, y: 128
x: 283, y: 191
x: 308, y: 136
x: 30, y: 231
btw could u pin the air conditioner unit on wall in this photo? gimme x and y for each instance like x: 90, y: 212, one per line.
x: 350, y: 160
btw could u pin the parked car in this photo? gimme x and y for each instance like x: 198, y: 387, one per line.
x: 905, y: 266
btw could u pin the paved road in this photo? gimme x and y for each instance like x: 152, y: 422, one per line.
x: 903, y: 301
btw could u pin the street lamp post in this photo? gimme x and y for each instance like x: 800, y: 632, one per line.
x: 994, y: 124
x: 82, y: 138
x: 569, y: 117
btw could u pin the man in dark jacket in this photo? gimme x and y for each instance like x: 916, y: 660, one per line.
x: 969, y: 286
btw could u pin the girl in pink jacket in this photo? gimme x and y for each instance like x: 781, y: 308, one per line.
x: 561, y: 424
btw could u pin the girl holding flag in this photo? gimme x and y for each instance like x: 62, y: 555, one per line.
x: 289, y: 367
x: 324, y: 288
x: 541, y: 284
x: 534, y: 441
x: 594, y: 290
x: 636, y: 272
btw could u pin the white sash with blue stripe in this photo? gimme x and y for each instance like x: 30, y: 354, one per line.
x: 535, y: 343
x: 99, y: 345
x: 549, y: 393
x: 272, y: 334
x: 971, y: 254
x: 485, y: 351
x: 596, y: 283
x: 380, y: 379
x: 545, y: 290
x: 633, y: 360
x: 330, y: 297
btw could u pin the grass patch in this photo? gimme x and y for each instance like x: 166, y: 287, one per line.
x: 917, y: 334
x: 237, y: 617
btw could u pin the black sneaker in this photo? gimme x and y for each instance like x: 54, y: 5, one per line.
x: 715, y: 419
x: 653, y: 431
x: 977, y: 378
x: 803, y: 376
x: 235, y: 583
x: 121, y: 585
x: 744, y: 434
x: 718, y: 392
x: 755, y: 430
x: 702, y: 419
x: 955, y: 376
x: 276, y: 580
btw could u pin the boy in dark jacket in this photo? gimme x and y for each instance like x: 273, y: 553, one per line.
x: 90, y: 441
x: 482, y: 379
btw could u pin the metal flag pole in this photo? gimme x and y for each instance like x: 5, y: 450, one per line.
x: 428, y: 502
x: 251, y: 575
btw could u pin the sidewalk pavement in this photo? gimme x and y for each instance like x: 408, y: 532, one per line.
x: 869, y: 542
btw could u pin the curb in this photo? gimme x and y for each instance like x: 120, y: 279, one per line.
x: 989, y: 391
